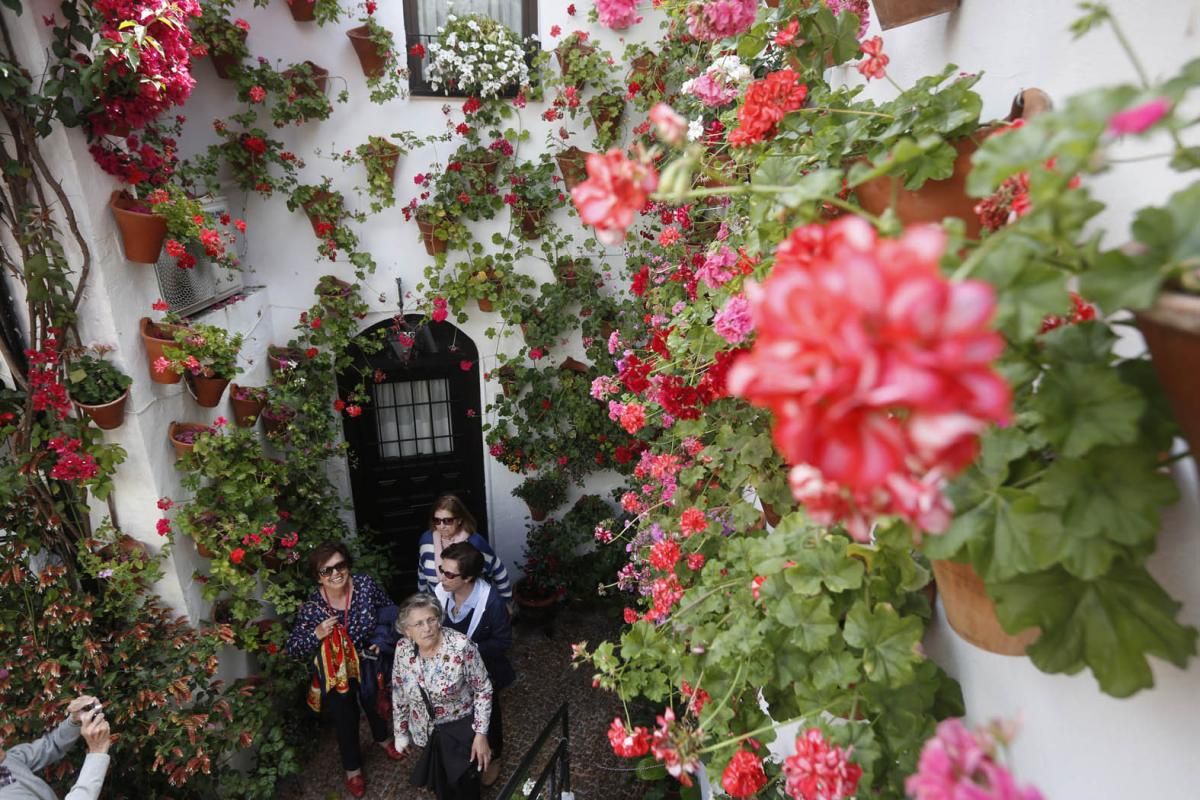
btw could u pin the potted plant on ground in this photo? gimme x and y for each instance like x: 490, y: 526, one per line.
x: 207, y: 356
x: 542, y: 493
x: 543, y: 584
x: 98, y: 388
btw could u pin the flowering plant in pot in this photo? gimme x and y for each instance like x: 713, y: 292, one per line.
x: 245, y: 153
x: 324, y: 12
x: 542, y: 493
x: 98, y: 386
x: 492, y: 280
x: 548, y: 552
x: 247, y: 402
x: 329, y: 217
x: 375, y: 46
x: 299, y: 93
x: 581, y: 62
x: 531, y: 193
x: 380, y: 155
x: 605, y: 113
x: 193, y: 232
x: 224, y: 40
x: 207, y: 356
x: 477, y: 56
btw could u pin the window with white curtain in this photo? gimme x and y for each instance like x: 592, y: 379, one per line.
x: 413, y: 418
x: 422, y: 18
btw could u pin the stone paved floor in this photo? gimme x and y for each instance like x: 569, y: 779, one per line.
x: 545, y: 680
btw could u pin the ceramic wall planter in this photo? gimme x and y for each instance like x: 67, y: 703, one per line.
x: 1171, y: 328
x: 225, y: 63
x: 529, y: 222
x: 572, y: 164
x: 246, y: 410
x: 387, y: 156
x: 154, y: 337
x: 183, y: 436
x: 370, y: 57
x: 303, y: 10
x: 108, y: 416
x: 894, y: 13
x: 972, y: 614
x: 142, y: 234
x: 434, y: 245
x: 281, y: 358
x: 207, y: 389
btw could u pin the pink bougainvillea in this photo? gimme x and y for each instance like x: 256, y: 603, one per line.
x: 877, y: 370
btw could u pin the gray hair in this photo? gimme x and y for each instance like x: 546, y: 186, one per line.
x: 416, y: 602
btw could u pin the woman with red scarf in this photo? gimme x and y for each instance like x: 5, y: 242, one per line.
x: 334, y: 630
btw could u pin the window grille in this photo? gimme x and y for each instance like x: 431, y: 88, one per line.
x: 413, y: 418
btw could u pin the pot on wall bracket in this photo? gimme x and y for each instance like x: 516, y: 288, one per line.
x: 572, y: 164
x: 225, y: 63
x: 434, y: 245
x: 387, y: 156
x: 154, y: 337
x: 303, y: 10
x: 206, y: 389
x: 1171, y: 328
x: 529, y: 222
x: 183, y: 436
x: 972, y: 614
x: 107, y: 416
x: 142, y: 233
x: 372, y: 59
x: 246, y: 411
x: 894, y: 13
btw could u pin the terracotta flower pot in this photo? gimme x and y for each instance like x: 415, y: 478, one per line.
x: 607, y: 111
x: 508, y: 380
x: 1171, y: 328
x: 485, y: 304
x: 529, y: 221
x: 203, y: 551
x: 565, y: 272
x: 387, y: 156
x: 893, y: 13
x: 770, y: 515
x: 566, y: 54
x: 225, y: 63
x: 320, y: 77
x: 154, y: 337
x: 142, y: 234
x: 281, y: 358
x: 570, y: 364
x: 972, y: 614
x: 303, y: 10
x: 310, y: 210
x: 535, y: 513
x: 177, y: 430
x: 207, y: 389
x: 245, y: 411
x: 108, y: 416
x: 572, y: 163
x: 372, y: 59
x: 433, y: 244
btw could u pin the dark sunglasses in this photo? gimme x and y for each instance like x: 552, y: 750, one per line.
x: 450, y: 575
x: 341, y: 566
x: 445, y: 520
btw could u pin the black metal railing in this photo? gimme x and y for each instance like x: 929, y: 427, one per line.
x: 555, y: 776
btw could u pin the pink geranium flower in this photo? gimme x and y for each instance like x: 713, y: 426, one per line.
x: 618, y: 14
x: 959, y: 763
x: 1138, y: 118
x: 720, y: 19
x: 733, y: 323
x: 617, y: 189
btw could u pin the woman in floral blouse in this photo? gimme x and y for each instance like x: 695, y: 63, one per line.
x: 333, y: 630
x: 440, y: 669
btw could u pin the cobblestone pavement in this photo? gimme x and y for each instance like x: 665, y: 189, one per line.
x: 546, y: 679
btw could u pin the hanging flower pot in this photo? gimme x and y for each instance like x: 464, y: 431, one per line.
x: 183, y: 436
x: 485, y: 304
x: 508, y: 380
x: 570, y: 53
x: 142, y: 233
x: 247, y: 402
x: 108, y: 416
x: 385, y: 155
x: 434, y: 245
x: 536, y: 514
x: 530, y: 221
x: 303, y: 10
x: 607, y: 111
x: 972, y: 614
x: 894, y: 13
x: 226, y: 63
x: 206, y: 389
x: 203, y: 551
x: 1171, y: 328
x: 570, y: 364
x: 317, y: 210
x: 565, y: 272
x: 372, y: 59
x: 282, y: 358
x: 320, y: 77
x: 276, y: 421
x: 572, y: 163
x: 154, y: 336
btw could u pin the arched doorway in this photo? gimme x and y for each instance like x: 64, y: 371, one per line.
x: 420, y: 437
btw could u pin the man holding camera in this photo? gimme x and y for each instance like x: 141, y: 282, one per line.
x: 18, y: 765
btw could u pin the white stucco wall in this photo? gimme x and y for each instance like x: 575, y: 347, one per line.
x: 1077, y: 744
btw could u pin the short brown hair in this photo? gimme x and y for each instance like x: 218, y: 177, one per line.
x: 326, y: 550
x: 468, y: 558
x: 452, y: 503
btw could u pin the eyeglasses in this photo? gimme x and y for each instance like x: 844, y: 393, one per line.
x: 428, y: 622
x: 445, y: 520
x: 448, y: 574
x: 341, y: 566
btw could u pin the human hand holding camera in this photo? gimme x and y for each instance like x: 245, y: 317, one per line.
x: 87, y: 711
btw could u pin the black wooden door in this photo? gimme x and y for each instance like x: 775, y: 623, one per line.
x: 420, y: 437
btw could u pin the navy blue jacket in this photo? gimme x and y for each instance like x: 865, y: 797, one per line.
x: 493, y: 637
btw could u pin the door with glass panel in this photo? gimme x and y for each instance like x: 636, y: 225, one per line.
x: 419, y: 438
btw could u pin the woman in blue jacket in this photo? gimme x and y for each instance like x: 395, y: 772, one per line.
x: 474, y: 608
x: 450, y: 523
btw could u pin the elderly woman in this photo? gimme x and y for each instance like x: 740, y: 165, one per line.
x: 450, y: 522
x: 474, y: 608
x: 333, y: 631
x: 441, y: 700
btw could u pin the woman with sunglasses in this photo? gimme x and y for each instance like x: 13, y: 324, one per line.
x: 474, y: 609
x: 451, y: 522
x: 333, y: 631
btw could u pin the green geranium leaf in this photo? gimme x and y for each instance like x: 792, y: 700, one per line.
x: 811, y: 187
x: 1116, y: 281
x: 826, y: 564
x: 1111, y: 498
x: 889, y: 643
x: 1110, y: 624
x: 1084, y: 406
x: 810, y: 623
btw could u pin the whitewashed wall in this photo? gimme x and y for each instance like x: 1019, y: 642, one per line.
x: 1077, y: 744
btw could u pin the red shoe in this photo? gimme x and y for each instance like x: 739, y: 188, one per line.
x: 392, y: 752
x: 356, y: 786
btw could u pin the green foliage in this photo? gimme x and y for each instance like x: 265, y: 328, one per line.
x: 205, y: 350
x: 93, y: 381
x: 544, y: 492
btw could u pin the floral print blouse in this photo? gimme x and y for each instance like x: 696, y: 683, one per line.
x: 365, y: 601
x: 454, y: 678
